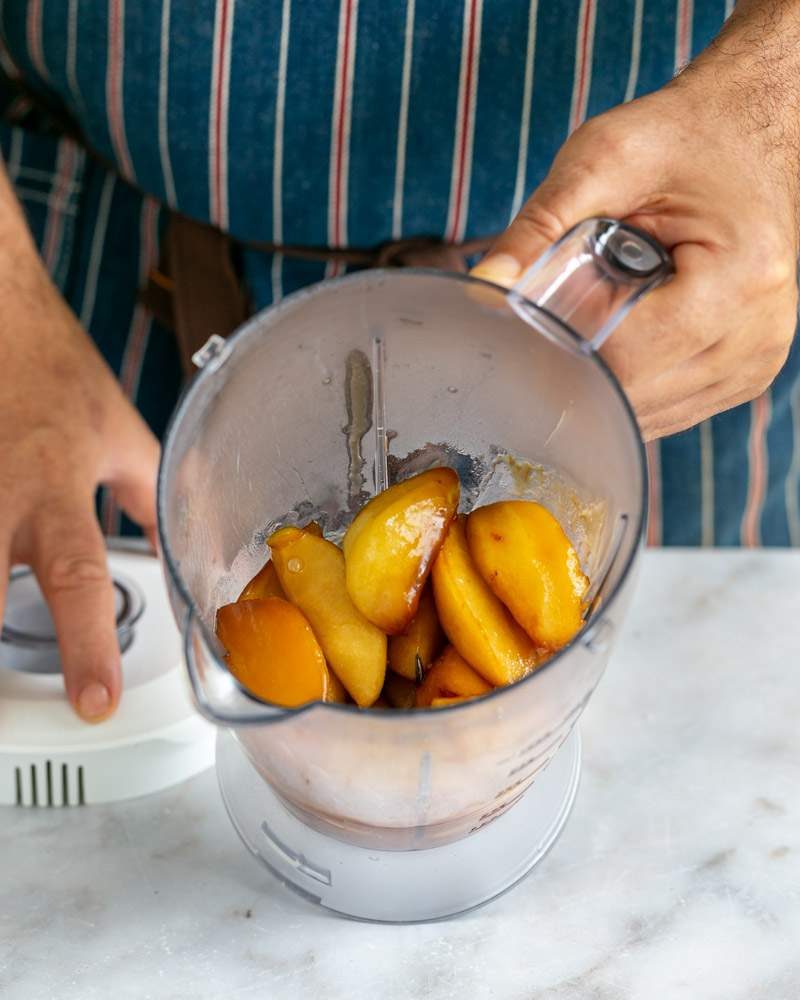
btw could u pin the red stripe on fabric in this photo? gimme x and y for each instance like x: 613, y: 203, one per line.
x: 219, y: 76
x: 343, y: 98
x: 33, y: 31
x: 684, y: 33
x: 654, y: 493
x: 129, y: 376
x: 57, y: 203
x: 757, y: 478
x: 114, y: 89
x: 465, y: 117
x: 582, y: 65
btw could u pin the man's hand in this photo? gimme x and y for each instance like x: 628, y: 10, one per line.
x: 66, y: 427
x: 709, y: 165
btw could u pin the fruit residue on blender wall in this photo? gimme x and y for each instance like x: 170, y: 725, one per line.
x: 455, y: 605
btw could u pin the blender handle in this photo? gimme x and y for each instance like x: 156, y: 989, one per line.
x: 217, y: 694
x: 590, y: 279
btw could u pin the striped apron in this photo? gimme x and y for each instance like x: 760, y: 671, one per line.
x: 347, y: 123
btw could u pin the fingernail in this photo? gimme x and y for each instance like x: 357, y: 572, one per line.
x: 94, y: 702
x: 501, y: 268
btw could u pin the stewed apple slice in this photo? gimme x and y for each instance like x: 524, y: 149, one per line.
x: 411, y: 653
x: 450, y: 678
x: 391, y: 544
x: 398, y: 691
x: 266, y: 583
x: 474, y: 619
x: 311, y: 571
x: 272, y: 651
x: 526, y: 558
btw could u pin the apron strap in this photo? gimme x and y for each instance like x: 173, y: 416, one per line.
x: 196, y: 291
x: 207, y: 295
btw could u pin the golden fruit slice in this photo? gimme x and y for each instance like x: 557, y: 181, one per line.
x: 523, y: 554
x: 336, y: 690
x: 450, y: 677
x: 447, y: 702
x: 272, y: 651
x: 472, y: 617
x: 412, y: 653
x: 398, y: 691
x: 391, y: 544
x: 311, y: 571
x: 266, y: 583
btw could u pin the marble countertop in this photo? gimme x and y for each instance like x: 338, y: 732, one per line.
x: 678, y: 875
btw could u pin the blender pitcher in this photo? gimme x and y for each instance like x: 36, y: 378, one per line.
x: 318, y: 403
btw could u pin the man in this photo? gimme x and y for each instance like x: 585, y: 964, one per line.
x: 346, y: 124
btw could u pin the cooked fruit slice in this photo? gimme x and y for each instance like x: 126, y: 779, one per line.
x: 412, y: 653
x: 446, y: 702
x: 391, y: 544
x: 473, y: 619
x: 523, y: 554
x: 336, y: 690
x: 450, y: 677
x: 399, y: 692
x: 266, y: 583
x: 272, y: 651
x: 311, y: 571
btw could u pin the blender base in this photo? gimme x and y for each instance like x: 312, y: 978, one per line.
x: 398, y: 886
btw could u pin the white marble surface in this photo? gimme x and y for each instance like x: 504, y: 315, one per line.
x: 678, y: 875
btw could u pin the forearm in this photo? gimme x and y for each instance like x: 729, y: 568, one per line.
x: 20, y: 265
x: 750, y: 75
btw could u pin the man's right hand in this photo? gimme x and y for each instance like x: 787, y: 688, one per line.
x: 66, y: 427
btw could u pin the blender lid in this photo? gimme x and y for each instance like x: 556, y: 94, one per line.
x: 48, y: 756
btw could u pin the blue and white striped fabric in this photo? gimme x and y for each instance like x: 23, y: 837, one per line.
x: 348, y: 122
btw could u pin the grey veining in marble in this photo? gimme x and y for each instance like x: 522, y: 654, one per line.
x: 678, y: 875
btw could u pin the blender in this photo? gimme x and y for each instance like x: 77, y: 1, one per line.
x: 312, y: 407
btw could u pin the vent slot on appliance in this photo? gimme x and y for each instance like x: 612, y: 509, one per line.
x: 39, y: 785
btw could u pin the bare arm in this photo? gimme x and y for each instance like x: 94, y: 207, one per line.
x: 65, y: 428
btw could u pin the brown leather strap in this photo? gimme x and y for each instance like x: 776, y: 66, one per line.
x: 195, y: 290
x: 207, y: 297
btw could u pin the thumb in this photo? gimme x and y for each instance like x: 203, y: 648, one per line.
x: 583, y: 182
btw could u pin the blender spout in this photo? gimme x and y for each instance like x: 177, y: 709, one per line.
x: 591, y: 278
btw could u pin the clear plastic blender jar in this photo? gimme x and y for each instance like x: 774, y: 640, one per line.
x: 321, y: 401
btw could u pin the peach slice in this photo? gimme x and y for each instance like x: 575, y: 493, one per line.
x: 450, y: 677
x: 412, y: 653
x: 272, y: 651
x: 311, y: 571
x: 399, y: 691
x: 474, y: 620
x: 336, y: 690
x: 523, y: 554
x: 266, y: 583
x: 391, y: 544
